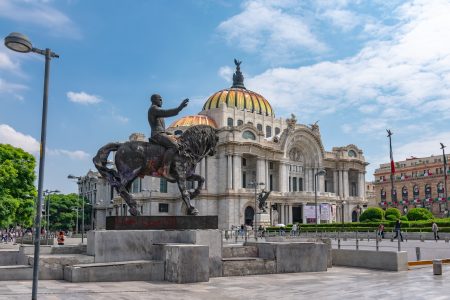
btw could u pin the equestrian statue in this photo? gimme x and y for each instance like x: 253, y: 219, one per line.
x: 162, y: 156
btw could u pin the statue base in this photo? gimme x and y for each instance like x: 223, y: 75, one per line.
x: 161, y: 222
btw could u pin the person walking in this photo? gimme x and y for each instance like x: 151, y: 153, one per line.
x: 60, y: 238
x: 398, y: 230
x: 381, y: 231
x: 435, y: 230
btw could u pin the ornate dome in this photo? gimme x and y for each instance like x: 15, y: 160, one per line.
x: 238, y: 96
x: 193, y: 120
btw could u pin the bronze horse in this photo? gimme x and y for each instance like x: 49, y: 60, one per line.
x: 139, y: 158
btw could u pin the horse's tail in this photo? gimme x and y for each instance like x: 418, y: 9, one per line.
x: 101, y: 160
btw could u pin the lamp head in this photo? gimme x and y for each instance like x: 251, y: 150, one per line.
x: 18, y: 42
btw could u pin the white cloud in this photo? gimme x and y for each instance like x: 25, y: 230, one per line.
x: 272, y: 29
x: 6, y: 63
x: 425, y: 146
x: 347, y: 128
x: 226, y: 73
x: 83, y: 98
x: 405, y: 73
x: 39, y: 13
x: 344, y: 19
x: 11, y: 88
x: 120, y: 118
x: 9, y: 135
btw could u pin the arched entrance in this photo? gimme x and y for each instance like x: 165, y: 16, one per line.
x: 354, y: 216
x: 249, y: 215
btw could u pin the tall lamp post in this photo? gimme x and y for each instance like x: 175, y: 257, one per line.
x: 47, y: 213
x: 82, y: 206
x: 445, y: 176
x: 20, y: 43
x: 392, y: 165
x: 255, y: 185
x: 319, y: 173
x: 76, y: 225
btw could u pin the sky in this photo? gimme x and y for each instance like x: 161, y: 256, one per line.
x: 359, y: 67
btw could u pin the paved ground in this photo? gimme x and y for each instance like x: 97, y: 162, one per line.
x: 337, y: 283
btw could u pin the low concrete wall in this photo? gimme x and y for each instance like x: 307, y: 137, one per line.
x: 117, y: 271
x: 9, y: 257
x: 382, y: 260
x: 186, y: 263
x: 248, y: 266
x: 126, y: 245
x: 295, y: 256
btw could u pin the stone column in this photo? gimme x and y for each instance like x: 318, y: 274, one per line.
x: 260, y: 170
x: 267, y: 181
x: 335, y: 182
x: 321, y: 180
x: 282, y: 177
x: 229, y: 172
x: 362, y: 186
x: 341, y: 185
x: 346, y: 186
x: 306, y: 179
x: 237, y: 164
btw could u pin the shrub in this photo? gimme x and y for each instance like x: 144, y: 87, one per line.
x: 372, y: 214
x: 392, y: 211
x: 419, y: 214
x: 391, y: 217
x: 403, y: 218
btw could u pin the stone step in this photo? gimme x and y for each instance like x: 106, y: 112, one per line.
x: 137, y: 270
x: 17, y: 272
x: 230, y: 251
x: 9, y: 257
x: 242, y: 266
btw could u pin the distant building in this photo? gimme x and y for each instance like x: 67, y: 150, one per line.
x: 418, y: 182
x: 370, y: 195
x: 255, y: 146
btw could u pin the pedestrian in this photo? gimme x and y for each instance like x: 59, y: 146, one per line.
x: 398, y: 230
x: 60, y: 238
x: 435, y: 230
x: 294, y: 230
x: 381, y: 230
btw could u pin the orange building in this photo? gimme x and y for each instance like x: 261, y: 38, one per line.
x: 418, y: 182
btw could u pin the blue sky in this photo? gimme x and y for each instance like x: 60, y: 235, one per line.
x: 357, y: 66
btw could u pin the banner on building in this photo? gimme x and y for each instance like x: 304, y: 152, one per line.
x: 325, y: 211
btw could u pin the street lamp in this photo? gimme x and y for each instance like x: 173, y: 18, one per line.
x: 48, y: 193
x: 319, y: 173
x: 255, y: 185
x: 20, y: 43
x: 343, y: 203
x: 94, y: 214
x: 76, y: 225
x: 82, y: 206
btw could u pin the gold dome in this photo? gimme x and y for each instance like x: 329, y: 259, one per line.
x: 238, y: 96
x: 193, y: 120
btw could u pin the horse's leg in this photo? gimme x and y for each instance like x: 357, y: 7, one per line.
x: 123, y: 191
x: 200, y: 180
x: 191, y: 210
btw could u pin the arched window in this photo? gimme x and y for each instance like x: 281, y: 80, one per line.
x: 383, y: 195
x: 277, y: 131
x: 268, y: 131
x: 394, y: 195
x: 404, y: 193
x: 416, y: 192
x: 259, y: 127
x: 248, y: 135
x: 351, y: 153
x: 240, y: 122
x: 427, y: 191
x: 178, y: 132
x: 230, y: 122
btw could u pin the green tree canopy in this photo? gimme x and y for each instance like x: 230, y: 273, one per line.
x: 394, y: 212
x: 372, y: 214
x: 63, y: 215
x: 416, y: 214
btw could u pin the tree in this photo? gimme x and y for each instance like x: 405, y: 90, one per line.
x: 416, y: 214
x: 16, y: 186
x: 63, y: 214
x: 372, y: 214
x: 394, y: 212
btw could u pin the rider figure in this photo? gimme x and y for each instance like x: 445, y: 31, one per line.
x: 156, y: 117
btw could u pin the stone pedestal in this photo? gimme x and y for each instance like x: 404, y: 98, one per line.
x: 161, y: 222
x: 263, y: 219
x: 186, y: 263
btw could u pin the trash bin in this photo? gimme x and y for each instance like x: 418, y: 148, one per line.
x: 437, y: 267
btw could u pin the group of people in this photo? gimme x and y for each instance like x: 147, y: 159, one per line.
x: 398, y: 231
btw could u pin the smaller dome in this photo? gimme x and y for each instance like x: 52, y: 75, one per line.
x: 194, y: 120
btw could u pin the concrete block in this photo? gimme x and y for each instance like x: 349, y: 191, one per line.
x: 9, y: 257
x: 142, y: 270
x: 51, y: 267
x: 248, y: 266
x: 437, y: 267
x: 29, y: 249
x: 69, y: 249
x: 186, y: 263
x: 18, y: 272
x: 382, y: 260
x: 239, y: 251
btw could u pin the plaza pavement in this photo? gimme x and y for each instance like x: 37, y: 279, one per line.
x: 336, y: 283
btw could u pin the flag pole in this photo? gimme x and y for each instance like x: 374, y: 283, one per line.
x: 445, y: 177
x: 392, y: 164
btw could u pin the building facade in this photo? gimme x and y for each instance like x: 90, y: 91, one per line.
x: 418, y: 182
x: 257, y: 151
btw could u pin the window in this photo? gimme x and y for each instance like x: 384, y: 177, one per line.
x: 244, y: 179
x: 240, y: 122
x: 351, y: 153
x: 394, y: 195
x: 440, y: 190
x: 404, y: 193
x: 416, y: 192
x: 300, y: 184
x: 353, y: 192
x: 248, y: 135
x: 268, y: 131
x: 271, y: 165
x: 162, y: 185
x: 244, y: 162
x: 178, y: 132
x: 163, y: 207
x: 290, y: 189
x: 277, y: 131
x: 136, y: 185
x: 259, y: 127
x: 271, y: 182
x: 427, y: 191
x: 294, y: 181
x: 383, y: 195
x: 230, y: 122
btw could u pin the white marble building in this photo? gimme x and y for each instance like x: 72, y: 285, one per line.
x: 279, y: 154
